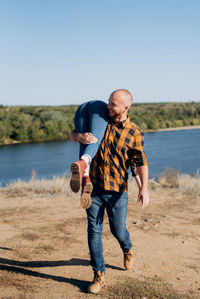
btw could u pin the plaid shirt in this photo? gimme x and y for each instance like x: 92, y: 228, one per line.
x: 121, y: 147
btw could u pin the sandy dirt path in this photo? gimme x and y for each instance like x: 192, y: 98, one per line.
x: 44, y: 253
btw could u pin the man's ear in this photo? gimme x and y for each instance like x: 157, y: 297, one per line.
x: 127, y: 108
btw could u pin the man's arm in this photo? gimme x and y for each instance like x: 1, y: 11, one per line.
x: 135, y: 173
x: 143, y: 195
x: 137, y: 179
x: 85, y: 138
x: 139, y: 159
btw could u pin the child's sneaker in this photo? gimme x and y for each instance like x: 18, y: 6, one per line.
x: 77, y: 169
x: 87, y: 187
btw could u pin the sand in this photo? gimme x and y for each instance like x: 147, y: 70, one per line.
x: 44, y: 253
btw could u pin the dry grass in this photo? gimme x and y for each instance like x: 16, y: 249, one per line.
x: 13, y: 211
x: 29, y: 236
x: 41, y: 248
x: 154, y: 288
x: 186, y: 184
x: 43, y: 187
x: 169, y: 179
x: 190, y: 186
x: 22, y: 286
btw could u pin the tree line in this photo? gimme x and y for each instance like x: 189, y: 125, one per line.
x: 49, y: 123
x: 156, y: 116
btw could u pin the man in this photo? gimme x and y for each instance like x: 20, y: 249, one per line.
x: 90, y: 121
x: 121, y: 145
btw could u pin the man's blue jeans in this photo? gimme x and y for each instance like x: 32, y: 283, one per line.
x: 91, y: 117
x: 116, y: 206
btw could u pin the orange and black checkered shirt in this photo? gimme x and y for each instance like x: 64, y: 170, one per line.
x: 122, y: 144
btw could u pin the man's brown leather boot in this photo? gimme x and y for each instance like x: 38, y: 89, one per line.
x: 98, y: 282
x: 128, y: 259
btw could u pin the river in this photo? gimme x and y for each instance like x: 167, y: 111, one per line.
x: 173, y: 149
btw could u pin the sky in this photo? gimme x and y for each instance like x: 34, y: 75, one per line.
x: 61, y: 52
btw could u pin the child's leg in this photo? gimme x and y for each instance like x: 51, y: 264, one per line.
x: 90, y: 117
x: 97, y: 121
x: 81, y: 123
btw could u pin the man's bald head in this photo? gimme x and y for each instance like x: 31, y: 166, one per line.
x: 124, y: 96
x: 119, y: 103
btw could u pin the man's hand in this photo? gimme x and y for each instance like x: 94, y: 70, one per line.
x: 143, y: 197
x: 87, y: 138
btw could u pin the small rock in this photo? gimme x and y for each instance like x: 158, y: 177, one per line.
x: 136, y: 222
x: 145, y: 227
x: 146, y: 220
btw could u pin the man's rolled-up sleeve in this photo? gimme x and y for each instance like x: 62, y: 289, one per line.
x: 139, y: 157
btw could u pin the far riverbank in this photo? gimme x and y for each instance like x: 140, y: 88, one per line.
x: 179, y: 128
x: 9, y: 141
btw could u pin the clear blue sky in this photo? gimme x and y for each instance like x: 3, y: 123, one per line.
x: 59, y: 52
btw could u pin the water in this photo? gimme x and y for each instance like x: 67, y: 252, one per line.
x: 175, y: 149
x: 179, y: 150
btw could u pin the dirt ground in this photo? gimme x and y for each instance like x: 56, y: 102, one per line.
x: 44, y: 253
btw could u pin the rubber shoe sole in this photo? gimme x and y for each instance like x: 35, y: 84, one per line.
x: 86, y: 200
x: 75, y: 182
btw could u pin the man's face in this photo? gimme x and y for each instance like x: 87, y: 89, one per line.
x: 115, y: 106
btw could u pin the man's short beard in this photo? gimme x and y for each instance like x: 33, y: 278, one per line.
x: 114, y: 117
